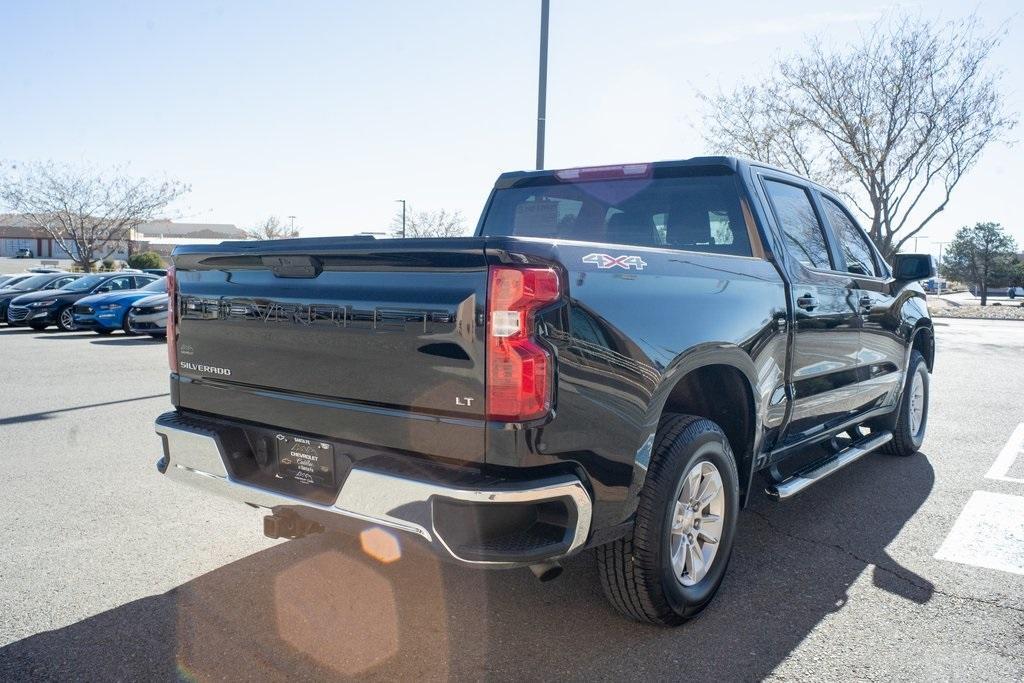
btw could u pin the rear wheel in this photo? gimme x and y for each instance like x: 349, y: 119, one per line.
x: 66, y: 320
x: 671, y: 564
x: 912, y: 413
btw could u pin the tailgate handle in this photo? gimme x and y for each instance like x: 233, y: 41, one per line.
x: 293, y: 266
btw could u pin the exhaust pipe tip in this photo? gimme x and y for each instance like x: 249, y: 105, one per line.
x: 546, y: 571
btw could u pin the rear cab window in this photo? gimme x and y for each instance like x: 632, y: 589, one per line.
x: 701, y: 212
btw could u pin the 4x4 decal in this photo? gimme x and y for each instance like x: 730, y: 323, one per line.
x: 606, y: 261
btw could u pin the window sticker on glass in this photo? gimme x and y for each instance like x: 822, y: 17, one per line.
x: 536, y: 218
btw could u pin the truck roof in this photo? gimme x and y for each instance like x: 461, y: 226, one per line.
x: 732, y: 163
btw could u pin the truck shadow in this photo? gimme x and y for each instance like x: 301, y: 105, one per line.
x: 325, y: 607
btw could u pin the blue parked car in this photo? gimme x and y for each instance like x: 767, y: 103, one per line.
x: 105, y: 313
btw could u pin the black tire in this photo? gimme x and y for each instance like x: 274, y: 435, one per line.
x: 64, y: 327
x: 904, y: 441
x: 125, y: 327
x: 636, y: 571
x: 38, y: 327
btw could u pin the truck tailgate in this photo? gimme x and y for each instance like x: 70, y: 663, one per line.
x: 380, y: 341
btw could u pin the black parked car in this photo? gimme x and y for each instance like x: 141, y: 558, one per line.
x: 39, y: 310
x: 36, y: 283
x: 7, y: 281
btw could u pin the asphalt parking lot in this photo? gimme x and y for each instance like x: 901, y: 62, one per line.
x: 110, y: 572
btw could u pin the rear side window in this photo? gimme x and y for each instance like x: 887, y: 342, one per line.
x: 801, y: 229
x: 856, y: 250
x: 697, y: 213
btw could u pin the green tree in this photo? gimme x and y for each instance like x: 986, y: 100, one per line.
x: 146, y: 259
x: 1017, y: 274
x: 980, y: 256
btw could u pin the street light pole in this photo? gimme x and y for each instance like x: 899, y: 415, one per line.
x: 941, y: 244
x: 542, y: 84
x: 292, y: 219
x: 403, y: 216
x: 916, y: 238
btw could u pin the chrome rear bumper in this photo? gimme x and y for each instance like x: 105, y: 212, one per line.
x: 193, y: 456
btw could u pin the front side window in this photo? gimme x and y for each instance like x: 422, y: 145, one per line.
x: 855, y: 247
x: 695, y: 213
x: 801, y: 229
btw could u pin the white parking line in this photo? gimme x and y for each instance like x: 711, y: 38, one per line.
x: 988, y: 533
x: 1013, y: 448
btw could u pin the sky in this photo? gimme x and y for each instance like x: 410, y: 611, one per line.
x: 331, y: 111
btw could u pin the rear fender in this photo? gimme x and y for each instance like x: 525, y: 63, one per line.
x: 710, y: 354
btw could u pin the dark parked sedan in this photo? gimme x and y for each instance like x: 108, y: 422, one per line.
x: 39, y: 310
x: 36, y: 283
x: 13, y: 279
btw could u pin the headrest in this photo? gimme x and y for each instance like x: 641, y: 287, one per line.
x: 689, y: 224
x: 630, y: 228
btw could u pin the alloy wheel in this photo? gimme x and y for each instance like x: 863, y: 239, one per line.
x: 917, y: 404
x: 697, y: 523
x: 67, y: 319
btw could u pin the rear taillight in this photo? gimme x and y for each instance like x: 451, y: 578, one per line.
x: 172, y: 312
x: 518, y: 368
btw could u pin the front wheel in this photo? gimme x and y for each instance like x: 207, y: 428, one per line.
x: 912, y: 412
x: 66, y: 320
x: 669, y: 567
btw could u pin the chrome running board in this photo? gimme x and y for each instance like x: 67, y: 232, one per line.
x: 818, y: 471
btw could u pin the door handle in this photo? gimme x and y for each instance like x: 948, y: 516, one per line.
x: 807, y: 302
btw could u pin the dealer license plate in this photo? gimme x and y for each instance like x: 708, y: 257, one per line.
x: 308, y: 461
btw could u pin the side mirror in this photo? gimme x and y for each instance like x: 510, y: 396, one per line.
x: 910, y: 267
x: 856, y: 268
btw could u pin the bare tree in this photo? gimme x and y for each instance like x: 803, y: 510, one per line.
x: 893, y: 121
x: 90, y: 214
x: 271, y: 228
x: 439, y: 223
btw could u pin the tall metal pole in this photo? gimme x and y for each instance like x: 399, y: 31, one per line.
x: 919, y: 237
x: 542, y: 85
x: 292, y: 219
x: 403, y: 216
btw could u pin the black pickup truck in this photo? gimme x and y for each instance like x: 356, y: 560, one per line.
x: 610, y: 363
